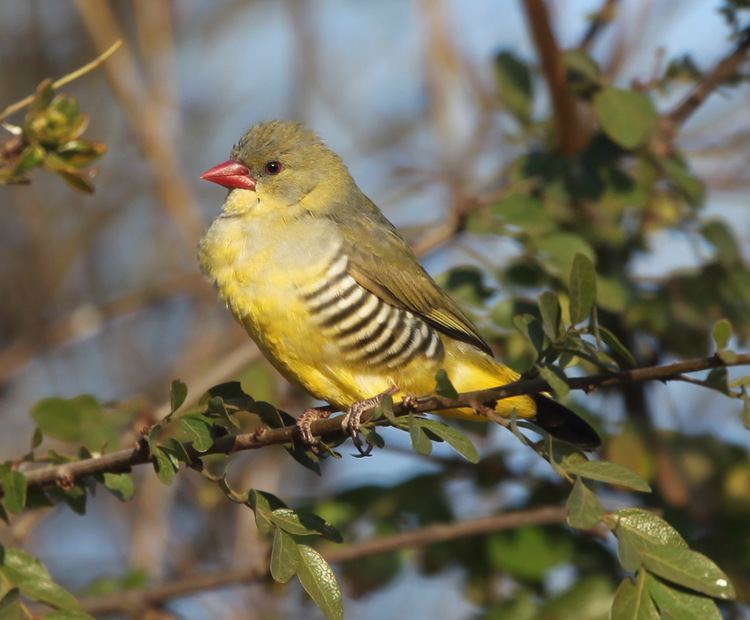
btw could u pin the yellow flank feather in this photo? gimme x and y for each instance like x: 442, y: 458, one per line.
x: 330, y: 292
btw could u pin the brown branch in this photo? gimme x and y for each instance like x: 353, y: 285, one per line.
x: 134, y: 601
x: 122, y: 460
x: 147, y: 122
x: 724, y: 70
x: 670, y: 123
x: 602, y: 18
x: 570, y: 135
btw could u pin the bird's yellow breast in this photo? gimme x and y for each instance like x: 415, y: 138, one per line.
x: 276, y: 276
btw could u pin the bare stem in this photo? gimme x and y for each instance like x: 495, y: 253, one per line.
x: 66, y: 79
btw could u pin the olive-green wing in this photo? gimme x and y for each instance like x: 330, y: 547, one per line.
x: 382, y: 262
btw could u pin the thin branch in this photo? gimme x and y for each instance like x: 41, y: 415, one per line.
x: 147, y: 121
x: 724, y: 70
x: 66, y: 79
x: 122, y: 460
x: 570, y: 135
x: 134, y: 601
x: 602, y: 18
x: 670, y: 123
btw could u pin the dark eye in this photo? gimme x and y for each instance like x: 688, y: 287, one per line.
x: 273, y: 167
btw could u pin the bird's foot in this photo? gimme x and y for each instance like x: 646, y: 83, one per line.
x: 304, y: 424
x: 351, y: 423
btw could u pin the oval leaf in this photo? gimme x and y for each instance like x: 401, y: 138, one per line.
x: 582, y: 288
x: 177, y: 394
x: 626, y: 116
x: 680, y: 605
x: 303, y: 524
x: 319, y: 582
x: 632, y: 602
x: 604, y: 471
x: 284, y: 556
x: 584, y: 509
x: 688, y: 568
x: 14, y: 491
x: 454, y: 438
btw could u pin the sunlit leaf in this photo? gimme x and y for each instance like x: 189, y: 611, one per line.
x: 319, y: 582
x: 303, y: 524
x: 177, y: 394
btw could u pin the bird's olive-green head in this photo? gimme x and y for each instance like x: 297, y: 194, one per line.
x: 287, y: 167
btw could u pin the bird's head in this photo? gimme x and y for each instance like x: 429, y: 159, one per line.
x: 281, y: 166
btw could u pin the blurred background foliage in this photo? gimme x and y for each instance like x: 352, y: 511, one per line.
x: 444, y: 112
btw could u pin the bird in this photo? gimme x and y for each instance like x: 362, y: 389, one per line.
x: 335, y: 298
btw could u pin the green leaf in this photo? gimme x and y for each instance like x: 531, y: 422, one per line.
x: 628, y: 550
x: 263, y: 504
x: 549, y: 309
x: 558, y: 250
x: 649, y: 528
x: 454, y: 438
x: 582, y: 288
x: 177, y: 450
x: 319, y: 582
x: 303, y: 524
x: 626, y: 116
x: 721, y: 332
x: 530, y: 327
x: 618, y: 349
x: 746, y: 411
x: 32, y: 578
x: 30, y: 157
x: 14, y: 491
x: 584, y: 509
x: 284, y: 556
x: 633, y: 602
x: 529, y: 552
x: 718, y: 234
x: 10, y: 605
x: 76, y: 420
x: 556, y: 379
x: 688, y: 568
x: 677, y: 604
x: 604, y: 471
x: 177, y: 394
x: 198, y: 430
x: 165, y: 465
x: 516, y: 86
x: 216, y: 408
x: 419, y: 439
x: 444, y: 386
x: 121, y: 485
x: 37, y: 438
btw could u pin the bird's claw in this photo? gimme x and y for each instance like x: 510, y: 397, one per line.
x: 304, y: 424
x: 351, y: 423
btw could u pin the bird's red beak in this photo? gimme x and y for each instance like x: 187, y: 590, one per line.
x: 231, y: 174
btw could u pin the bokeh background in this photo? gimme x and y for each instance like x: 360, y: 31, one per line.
x: 101, y: 294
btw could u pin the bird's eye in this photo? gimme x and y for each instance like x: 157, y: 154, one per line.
x: 273, y: 167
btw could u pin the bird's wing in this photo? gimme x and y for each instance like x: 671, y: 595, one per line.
x: 382, y: 262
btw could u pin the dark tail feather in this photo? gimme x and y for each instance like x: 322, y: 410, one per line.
x: 562, y: 423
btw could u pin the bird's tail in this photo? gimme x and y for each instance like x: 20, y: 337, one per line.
x: 562, y: 423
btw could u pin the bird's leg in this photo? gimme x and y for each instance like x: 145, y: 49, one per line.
x: 304, y: 423
x: 352, y: 420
